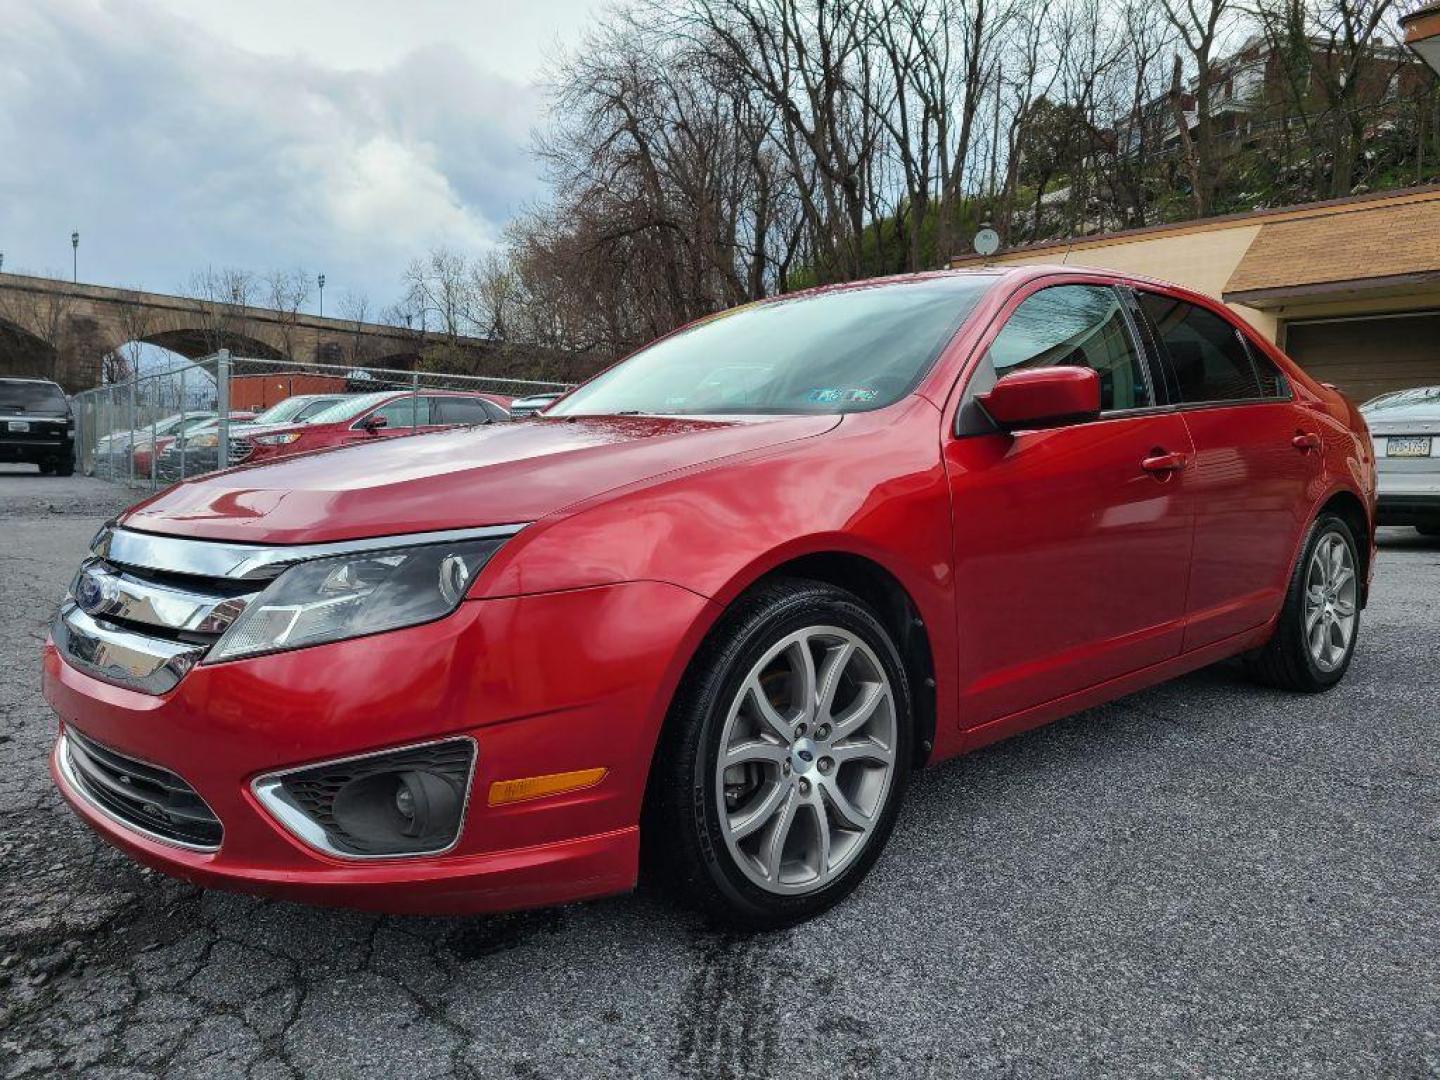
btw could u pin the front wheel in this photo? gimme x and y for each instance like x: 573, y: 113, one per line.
x: 785, y: 757
x: 1319, y: 624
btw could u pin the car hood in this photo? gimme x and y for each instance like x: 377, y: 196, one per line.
x: 493, y: 474
x: 249, y: 427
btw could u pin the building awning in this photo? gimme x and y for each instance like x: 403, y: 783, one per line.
x: 1390, y: 250
x: 1422, y: 32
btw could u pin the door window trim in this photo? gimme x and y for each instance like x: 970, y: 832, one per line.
x: 1172, y: 380
x: 359, y: 422
x: 982, y: 375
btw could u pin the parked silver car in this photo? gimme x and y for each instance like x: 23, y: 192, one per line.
x: 532, y: 404
x: 1406, y: 428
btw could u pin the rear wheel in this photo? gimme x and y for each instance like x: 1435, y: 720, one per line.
x: 1320, y: 622
x: 1428, y: 530
x: 65, y: 468
x: 785, y: 757
x: 46, y: 468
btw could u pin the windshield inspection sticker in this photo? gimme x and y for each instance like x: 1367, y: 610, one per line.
x: 835, y: 395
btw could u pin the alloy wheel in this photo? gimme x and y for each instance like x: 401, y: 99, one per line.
x: 1331, y: 594
x: 807, y: 759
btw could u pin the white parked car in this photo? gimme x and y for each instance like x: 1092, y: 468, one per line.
x: 1405, y: 426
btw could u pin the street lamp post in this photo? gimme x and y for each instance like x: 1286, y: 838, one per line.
x: 321, y: 281
x: 75, y: 257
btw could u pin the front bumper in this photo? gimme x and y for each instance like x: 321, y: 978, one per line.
x: 544, y: 684
x: 36, y: 450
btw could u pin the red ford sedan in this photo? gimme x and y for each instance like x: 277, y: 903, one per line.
x: 363, y: 417
x: 713, y: 607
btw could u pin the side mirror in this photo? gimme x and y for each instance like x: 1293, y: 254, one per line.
x: 1043, y: 396
x: 375, y: 423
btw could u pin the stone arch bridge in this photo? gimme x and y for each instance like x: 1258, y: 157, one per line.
x: 64, y: 331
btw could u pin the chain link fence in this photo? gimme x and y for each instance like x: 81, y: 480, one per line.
x: 163, y: 426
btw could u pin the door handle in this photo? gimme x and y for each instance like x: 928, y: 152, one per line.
x: 1161, y: 461
x: 1306, y: 441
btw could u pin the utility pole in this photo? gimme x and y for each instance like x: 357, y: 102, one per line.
x: 321, y: 281
x: 75, y: 257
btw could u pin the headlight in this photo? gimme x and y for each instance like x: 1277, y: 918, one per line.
x: 352, y: 595
x: 283, y: 439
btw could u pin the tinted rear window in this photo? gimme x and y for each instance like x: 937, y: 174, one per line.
x: 37, y: 397
x: 461, y: 411
x: 1210, y: 361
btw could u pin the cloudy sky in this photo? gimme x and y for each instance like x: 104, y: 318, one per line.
x: 343, y: 136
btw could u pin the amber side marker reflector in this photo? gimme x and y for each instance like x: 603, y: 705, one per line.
x: 537, y: 787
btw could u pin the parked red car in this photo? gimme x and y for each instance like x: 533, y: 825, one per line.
x: 384, y: 414
x: 717, y: 603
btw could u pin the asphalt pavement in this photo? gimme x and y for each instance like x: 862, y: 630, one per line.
x: 1205, y: 879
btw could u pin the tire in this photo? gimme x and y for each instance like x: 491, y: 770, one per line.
x: 65, y: 468
x: 1428, y: 530
x: 46, y: 469
x: 696, y: 812
x: 1291, y: 660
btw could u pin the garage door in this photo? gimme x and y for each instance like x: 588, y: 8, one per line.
x: 1367, y: 357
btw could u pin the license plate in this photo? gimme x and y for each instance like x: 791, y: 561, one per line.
x: 1407, y: 446
x: 19, y: 425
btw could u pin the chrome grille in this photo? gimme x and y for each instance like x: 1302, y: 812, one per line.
x: 144, y: 628
x: 144, y: 797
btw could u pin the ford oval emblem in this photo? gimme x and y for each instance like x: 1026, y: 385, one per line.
x: 91, y: 594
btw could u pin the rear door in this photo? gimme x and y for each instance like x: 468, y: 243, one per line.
x: 1257, y: 458
x: 1071, y: 557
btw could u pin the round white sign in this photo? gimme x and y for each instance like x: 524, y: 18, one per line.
x: 987, y: 241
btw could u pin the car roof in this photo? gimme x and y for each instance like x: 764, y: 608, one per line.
x: 1015, y: 274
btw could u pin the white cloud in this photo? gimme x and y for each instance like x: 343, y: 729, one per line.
x: 170, y: 148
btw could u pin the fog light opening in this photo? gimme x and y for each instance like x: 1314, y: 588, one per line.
x: 399, y: 811
x: 393, y: 803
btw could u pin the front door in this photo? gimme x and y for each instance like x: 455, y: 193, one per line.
x: 403, y: 416
x: 1072, y: 547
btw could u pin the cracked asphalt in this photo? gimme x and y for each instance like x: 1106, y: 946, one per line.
x: 1206, y: 879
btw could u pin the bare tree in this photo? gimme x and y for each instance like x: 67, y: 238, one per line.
x: 221, y: 297
x: 284, y: 292
x: 1199, y: 25
x: 355, y: 309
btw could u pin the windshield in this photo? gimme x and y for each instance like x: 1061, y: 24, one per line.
x: 281, y: 411
x: 312, y: 409
x: 349, y: 407
x: 832, y: 352
x: 36, y: 397
x: 295, y: 409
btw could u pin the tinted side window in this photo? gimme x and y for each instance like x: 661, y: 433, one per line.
x: 406, y: 412
x: 1076, y: 326
x: 1207, y: 355
x: 460, y: 411
x: 1273, y: 383
x: 497, y: 412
